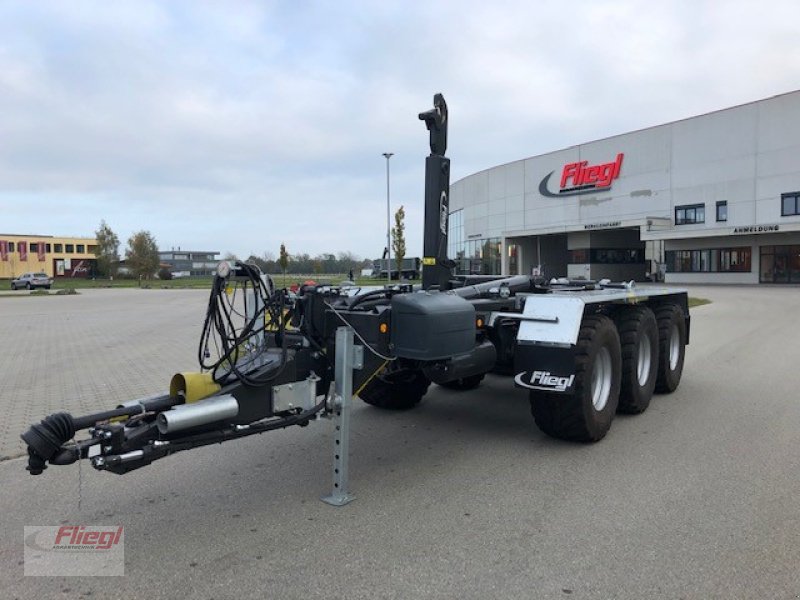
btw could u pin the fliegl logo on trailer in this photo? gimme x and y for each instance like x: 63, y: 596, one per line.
x: 582, y: 178
x: 544, y: 380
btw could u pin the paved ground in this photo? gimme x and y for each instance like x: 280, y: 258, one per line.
x: 462, y: 497
x: 88, y: 352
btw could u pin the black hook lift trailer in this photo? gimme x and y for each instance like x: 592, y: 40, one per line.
x: 583, y: 351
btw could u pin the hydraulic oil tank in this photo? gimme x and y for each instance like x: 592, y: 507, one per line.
x: 432, y: 326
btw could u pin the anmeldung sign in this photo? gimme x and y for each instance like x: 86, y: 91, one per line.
x: 756, y: 229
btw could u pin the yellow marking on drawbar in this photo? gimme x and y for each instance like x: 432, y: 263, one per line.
x: 363, y: 385
x: 430, y: 261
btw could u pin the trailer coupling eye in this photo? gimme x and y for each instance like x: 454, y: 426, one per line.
x: 44, y: 440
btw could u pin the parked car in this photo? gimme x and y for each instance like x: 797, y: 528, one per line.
x: 31, y: 281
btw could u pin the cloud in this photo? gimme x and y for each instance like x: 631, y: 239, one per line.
x: 236, y: 127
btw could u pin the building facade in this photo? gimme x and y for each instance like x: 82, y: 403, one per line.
x: 190, y: 263
x: 56, y: 256
x: 713, y: 198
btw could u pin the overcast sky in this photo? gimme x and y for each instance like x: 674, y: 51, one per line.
x: 235, y: 126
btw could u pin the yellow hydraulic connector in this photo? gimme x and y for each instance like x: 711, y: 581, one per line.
x: 194, y: 386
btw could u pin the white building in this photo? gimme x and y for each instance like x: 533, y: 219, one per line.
x: 713, y: 198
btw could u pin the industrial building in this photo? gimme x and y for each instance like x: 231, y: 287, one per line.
x: 708, y: 199
x: 56, y: 256
x: 190, y: 263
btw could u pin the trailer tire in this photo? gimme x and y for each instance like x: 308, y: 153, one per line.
x: 671, y: 347
x: 638, y: 334
x: 464, y: 383
x: 396, y: 391
x: 586, y: 414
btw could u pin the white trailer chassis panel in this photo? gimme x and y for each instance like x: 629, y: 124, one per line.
x: 555, y: 318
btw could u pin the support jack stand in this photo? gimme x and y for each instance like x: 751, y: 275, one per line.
x: 348, y: 357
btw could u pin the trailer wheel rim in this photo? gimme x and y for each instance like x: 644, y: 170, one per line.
x: 674, y: 347
x: 643, y: 360
x: 601, y: 379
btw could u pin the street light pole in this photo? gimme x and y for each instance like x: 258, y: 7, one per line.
x: 388, y: 155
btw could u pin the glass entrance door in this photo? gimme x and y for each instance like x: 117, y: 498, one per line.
x: 794, y: 264
x: 780, y: 264
x: 513, y: 259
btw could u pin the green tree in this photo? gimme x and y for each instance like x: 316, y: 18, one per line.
x: 142, y: 254
x: 106, y: 250
x: 399, y: 239
x: 283, y: 261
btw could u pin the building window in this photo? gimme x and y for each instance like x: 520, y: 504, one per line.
x: 47, y: 248
x: 722, y: 211
x: 790, y: 204
x: 70, y: 248
x: 607, y: 256
x: 478, y: 257
x: 34, y: 247
x: 578, y: 257
x: 58, y: 247
x: 80, y: 249
x: 455, y: 234
x: 689, y: 214
x: 10, y: 246
x: 734, y: 259
x: 717, y: 260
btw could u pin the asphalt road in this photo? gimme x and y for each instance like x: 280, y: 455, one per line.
x: 699, y: 497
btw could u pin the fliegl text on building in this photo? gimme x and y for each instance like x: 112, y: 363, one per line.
x: 712, y: 198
